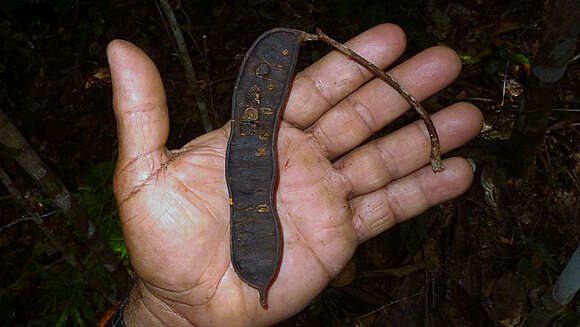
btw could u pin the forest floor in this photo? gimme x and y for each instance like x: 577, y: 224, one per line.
x: 482, y: 259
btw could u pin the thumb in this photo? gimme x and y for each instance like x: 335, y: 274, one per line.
x: 140, y: 105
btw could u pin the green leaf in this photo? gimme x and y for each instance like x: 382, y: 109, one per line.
x: 62, y: 319
x: 519, y: 58
x: 469, y: 60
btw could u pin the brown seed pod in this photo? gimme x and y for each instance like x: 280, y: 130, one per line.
x: 251, y: 166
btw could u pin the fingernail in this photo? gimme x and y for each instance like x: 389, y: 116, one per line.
x: 472, y: 163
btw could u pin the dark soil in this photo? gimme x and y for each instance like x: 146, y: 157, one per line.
x: 480, y: 260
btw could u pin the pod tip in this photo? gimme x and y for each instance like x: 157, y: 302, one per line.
x: 263, y: 296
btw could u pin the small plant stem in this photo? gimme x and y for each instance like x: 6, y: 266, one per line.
x: 188, y: 66
x: 436, y: 163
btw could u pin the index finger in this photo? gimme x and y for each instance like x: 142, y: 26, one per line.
x: 323, y: 84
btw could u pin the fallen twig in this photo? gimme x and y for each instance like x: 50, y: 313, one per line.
x: 68, y: 253
x: 53, y: 187
x: 35, y: 216
x: 187, y: 65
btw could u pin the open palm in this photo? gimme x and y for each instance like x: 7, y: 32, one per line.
x: 333, y: 193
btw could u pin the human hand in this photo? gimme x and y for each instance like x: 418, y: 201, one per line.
x: 333, y: 193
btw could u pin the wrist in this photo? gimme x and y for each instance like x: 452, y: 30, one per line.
x: 145, y: 309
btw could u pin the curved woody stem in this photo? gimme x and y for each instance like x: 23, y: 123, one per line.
x: 436, y: 163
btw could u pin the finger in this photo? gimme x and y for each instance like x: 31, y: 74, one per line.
x: 330, y: 79
x: 379, y: 162
x: 369, y: 109
x: 409, y: 196
x: 138, y: 101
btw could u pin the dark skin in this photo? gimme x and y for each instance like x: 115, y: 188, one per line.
x: 174, y: 204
